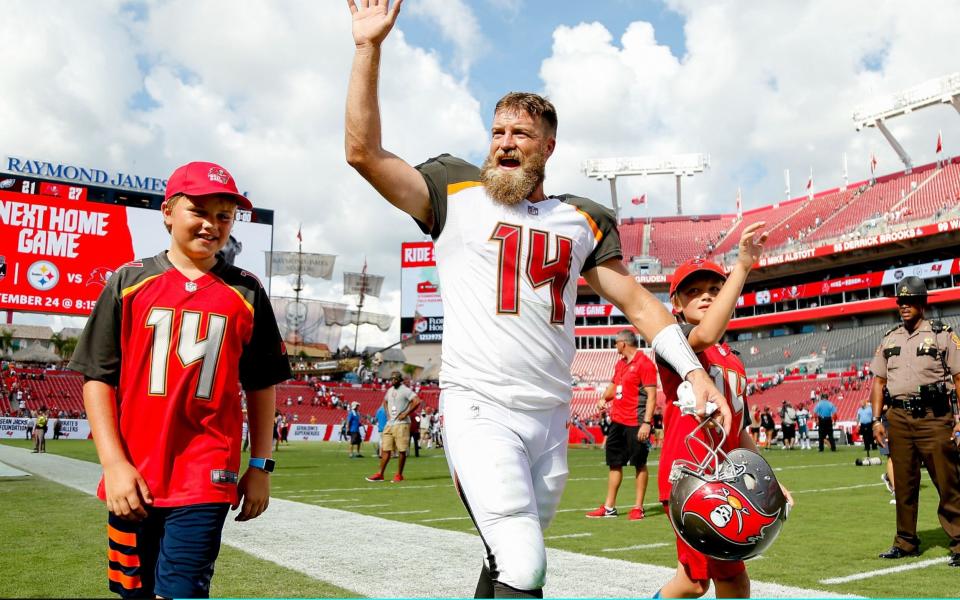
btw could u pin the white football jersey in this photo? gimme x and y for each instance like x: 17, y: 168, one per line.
x: 508, y: 276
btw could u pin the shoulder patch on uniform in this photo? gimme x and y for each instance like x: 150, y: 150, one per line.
x: 891, y: 330
x: 955, y: 339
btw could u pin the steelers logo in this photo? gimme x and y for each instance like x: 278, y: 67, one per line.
x: 43, y: 275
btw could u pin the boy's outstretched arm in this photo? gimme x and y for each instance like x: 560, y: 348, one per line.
x: 254, y: 487
x: 126, y: 491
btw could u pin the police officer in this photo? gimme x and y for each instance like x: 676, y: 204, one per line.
x: 913, y: 365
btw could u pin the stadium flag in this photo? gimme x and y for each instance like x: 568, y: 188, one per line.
x: 299, y: 233
x: 353, y: 282
x: 343, y: 316
x: 308, y: 263
x: 810, y: 184
x: 739, y: 204
x: 939, y: 141
x: 638, y: 200
x: 873, y: 163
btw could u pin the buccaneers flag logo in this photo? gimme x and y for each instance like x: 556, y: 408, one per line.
x: 728, y: 512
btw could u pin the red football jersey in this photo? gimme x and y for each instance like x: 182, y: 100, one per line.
x: 730, y: 377
x: 631, y: 378
x: 178, y: 352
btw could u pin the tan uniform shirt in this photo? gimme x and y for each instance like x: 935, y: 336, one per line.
x: 909, y: 360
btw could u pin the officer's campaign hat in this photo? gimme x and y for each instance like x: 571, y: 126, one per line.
x: 912, y: 287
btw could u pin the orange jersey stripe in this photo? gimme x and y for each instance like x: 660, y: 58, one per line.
x: 597, y: 234
x: 453, y: 188
x: 127, y: 560
x: 122, y: 537
x: 127, y: 581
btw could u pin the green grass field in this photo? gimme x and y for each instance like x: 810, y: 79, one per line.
x: 842, y: 520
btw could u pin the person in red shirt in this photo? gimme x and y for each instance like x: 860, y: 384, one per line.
x: 634, y: 395
x: 164, y: 354
x: 704, y: 297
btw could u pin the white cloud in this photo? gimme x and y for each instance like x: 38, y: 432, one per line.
x: 760, y: 90
x: 260, y: 89
x: 458, y: 25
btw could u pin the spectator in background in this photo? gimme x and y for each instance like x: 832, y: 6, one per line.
x: 755, y: 425
x: 769, y: 427
x: 825, y: 410
x: 415, y: 433
x: 400, y: 402
x: 633, y: 393
x: 788, y: 423
x: 803, y: 417
x: 277, y: 421
x: 353, y: 429
x: 381, y: 423
x: 865, y: 420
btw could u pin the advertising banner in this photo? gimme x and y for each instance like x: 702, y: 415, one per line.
x: 421, y: 308
x: 57, y: 249
x: 15, y: 428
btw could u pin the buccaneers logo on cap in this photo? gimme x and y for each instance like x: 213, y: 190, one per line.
x: 728, y: 512
x: 218, y: 174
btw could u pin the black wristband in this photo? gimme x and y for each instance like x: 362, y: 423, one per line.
x: 647, y: 423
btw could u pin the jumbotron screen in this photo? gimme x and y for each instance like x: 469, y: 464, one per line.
x: 60, y: 241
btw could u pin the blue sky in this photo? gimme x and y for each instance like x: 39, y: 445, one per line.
x: 523, y: 38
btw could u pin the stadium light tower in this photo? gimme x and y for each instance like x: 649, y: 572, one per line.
x: 677, y: 165
x: 874, y: 112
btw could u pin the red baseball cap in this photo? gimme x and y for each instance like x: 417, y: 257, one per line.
x: 692, y: 266
x: 205, y: 179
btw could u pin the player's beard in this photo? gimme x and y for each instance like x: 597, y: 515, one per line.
x: 512, y: 187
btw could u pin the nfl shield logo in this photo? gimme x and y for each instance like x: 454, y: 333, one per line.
x: 533, y: 210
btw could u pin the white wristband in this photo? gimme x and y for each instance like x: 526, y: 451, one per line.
x: 672, y: 346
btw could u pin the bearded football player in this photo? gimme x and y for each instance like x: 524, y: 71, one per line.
x: 509, y: 257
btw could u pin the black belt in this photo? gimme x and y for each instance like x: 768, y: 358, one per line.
x: 908, y: 403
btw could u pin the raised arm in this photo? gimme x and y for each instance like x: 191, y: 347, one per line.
x: 715, y: 321
x: 394, y: 178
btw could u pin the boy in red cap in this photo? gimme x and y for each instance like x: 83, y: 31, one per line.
x: 703, y: 298
x: 164, y: 354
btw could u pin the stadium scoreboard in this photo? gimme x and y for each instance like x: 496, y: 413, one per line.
x: 60, y: 241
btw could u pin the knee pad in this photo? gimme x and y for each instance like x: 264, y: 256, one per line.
x: 519, y: 554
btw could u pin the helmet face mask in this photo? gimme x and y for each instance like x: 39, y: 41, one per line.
x: 728, y: 506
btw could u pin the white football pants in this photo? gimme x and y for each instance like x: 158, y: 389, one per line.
x: 510, y: 468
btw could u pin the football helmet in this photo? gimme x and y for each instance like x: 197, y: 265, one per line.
x: 728, y: 506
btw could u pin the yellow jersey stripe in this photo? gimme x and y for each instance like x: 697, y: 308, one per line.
x: 597, y: 234
x: 453, y: 188
x: 137, y: 286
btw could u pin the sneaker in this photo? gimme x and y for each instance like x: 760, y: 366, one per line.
x: 893, y: 500
x: 375, y: 477
x: 397, y: 478
x: 602, y: 513
x: 886, y: 482
x: 636, y: 513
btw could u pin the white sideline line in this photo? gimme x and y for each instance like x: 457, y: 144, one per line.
x: 332, y: 500
x: 308, y: 538
x: 837, y: 489
x: 440, y: 519
x: 565, y: 536
x: 898, y: 569
x: 636, y: 547
x: 811, y: 466
x: 406, y: 512
x: 369, y: 505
